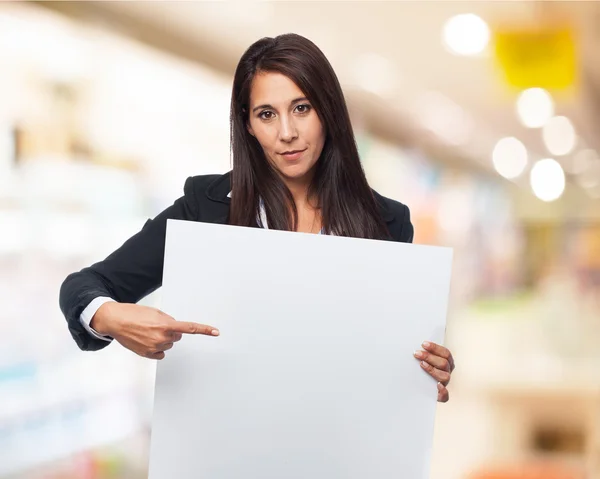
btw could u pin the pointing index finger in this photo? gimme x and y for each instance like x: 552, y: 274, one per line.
x: 193, y: 328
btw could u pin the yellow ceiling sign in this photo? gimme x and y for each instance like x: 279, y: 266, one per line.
x: 543, y: 58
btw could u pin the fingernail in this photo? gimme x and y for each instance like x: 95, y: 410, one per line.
x: 215, y: 332
x: 424, y: 364
x: 418, y: 354
x: 426, y: 344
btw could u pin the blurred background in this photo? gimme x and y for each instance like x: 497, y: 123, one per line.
x: 483, y: 117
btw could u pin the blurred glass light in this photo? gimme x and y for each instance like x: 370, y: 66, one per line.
x: 14, y: 235
x: 376, y: 74
x: 559, y: 135
x: 455, y: 214
x: 535, y: 107
x: 443, y: 117
x: 53, y: 47
x: 240, y: 12
x: 509, y: 157
x: 590, y: 177
x: 594, y: 193
x: 547, y: 180
x: 465, y: 34
x: 581, y: 161
x: 7, y: 151
x: 64, y: 235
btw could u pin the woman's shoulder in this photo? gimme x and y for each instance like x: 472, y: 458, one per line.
x: 392, y: 210
x: 216, y: 185
x: 397, y: 217
x: 209, y: 196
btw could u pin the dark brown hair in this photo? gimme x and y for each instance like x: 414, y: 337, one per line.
x: 347, y: 204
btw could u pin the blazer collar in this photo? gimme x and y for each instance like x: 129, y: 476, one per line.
x: 220, y: 188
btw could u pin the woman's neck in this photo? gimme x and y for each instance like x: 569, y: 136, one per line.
x: 300, y: 191
x: 300, y: 188
x: 309, y: 215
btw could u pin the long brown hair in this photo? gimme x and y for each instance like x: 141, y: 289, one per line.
x: 348, y: 207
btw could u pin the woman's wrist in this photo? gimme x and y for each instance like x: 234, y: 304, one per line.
x: 102, y: 321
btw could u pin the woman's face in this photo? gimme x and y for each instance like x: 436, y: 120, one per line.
x: 286, y: 126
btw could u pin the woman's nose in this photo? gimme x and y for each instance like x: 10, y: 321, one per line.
x: 287, y: 131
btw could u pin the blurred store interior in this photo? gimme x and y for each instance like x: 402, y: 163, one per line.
x: 483, y: 117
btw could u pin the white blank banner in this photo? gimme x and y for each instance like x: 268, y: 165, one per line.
x: 313, y: 375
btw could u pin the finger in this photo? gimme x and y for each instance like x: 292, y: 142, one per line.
x: 192, y: 328
x: 176, y: 337
x: 443, y: 394
x: 170, y: 338
x: 441, y: 376
x: 440, y: 351
x: 436, y: 349
x: 158, y: 355
x: 436, y: 361
x: 165, y: 347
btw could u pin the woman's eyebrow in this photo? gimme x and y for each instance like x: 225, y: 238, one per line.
x: 260, y: 107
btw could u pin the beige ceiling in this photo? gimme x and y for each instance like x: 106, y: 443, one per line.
x: 407, y: 34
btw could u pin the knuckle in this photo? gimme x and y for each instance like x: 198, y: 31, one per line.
x: 165, y: 329
x: 445, y: 365
x: 202, y: 329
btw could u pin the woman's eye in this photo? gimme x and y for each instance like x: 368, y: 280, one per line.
x: 266, y: 115
x: 303, y: 108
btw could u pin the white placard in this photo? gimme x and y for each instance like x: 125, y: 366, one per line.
x: 313, y: 375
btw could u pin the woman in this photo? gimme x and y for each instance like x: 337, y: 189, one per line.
x: 295, y: 167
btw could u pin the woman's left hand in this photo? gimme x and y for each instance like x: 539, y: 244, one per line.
x: 439, y: 363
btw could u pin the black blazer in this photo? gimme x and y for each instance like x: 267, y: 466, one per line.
x: 136, y: 268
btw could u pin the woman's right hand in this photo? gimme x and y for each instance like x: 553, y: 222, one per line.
x: 144, y: 330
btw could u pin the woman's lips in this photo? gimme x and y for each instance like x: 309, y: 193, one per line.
x: 293, y: 155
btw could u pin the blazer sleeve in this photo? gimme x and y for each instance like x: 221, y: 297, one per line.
x: 128, y: 274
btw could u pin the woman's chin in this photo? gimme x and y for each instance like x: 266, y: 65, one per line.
x: 295, y: 172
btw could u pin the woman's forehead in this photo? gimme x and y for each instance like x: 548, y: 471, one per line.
x: 274, y: 88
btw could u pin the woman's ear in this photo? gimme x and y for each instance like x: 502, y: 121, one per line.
x: 249, y: 128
